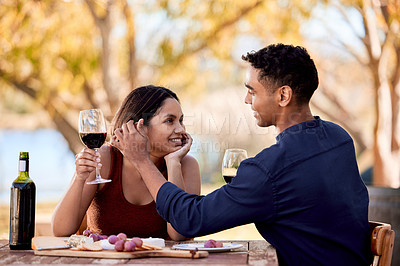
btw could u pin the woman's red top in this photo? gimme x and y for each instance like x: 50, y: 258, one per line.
x: 110, y: 213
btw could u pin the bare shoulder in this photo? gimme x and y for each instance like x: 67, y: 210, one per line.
x: 189, y: 161
x: 190, y: 167
x: 191, y: 174
x: 105, y: 151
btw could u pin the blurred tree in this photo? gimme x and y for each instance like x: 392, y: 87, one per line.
x: 66, y: 56
x: 377, y: 50
x: 49, y: 59
x: 74, y: 55
x: 203, y: 36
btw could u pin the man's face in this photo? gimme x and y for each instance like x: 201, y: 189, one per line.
x: 263, y: 102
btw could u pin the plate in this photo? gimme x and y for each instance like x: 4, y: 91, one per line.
x: 200, y: 246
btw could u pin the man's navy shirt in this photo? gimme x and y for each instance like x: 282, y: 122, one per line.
x: 304, y: 194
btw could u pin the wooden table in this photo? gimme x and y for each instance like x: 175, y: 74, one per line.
x: 254, y: 252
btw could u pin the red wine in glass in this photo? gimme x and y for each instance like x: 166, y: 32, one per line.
x: 93, y: 140
x: 231, y: 162
x: 93, y: 133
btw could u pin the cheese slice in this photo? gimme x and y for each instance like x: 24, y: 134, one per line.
x: 159, y: 242
x: 42, y: 242
x: 77, y: 240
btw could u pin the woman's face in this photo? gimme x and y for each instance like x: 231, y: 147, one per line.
x: 166, y: 129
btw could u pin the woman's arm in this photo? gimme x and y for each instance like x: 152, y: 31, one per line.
x: 70, y: 211
x: 184, y: 173
x: 187, y: 177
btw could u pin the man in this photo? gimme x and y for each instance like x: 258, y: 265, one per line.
x: 304, y: 193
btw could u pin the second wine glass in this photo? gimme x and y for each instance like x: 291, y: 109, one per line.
x: 93, y: 133
x: 231, y: 161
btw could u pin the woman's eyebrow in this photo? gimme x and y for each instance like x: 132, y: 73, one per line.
x: 170, y: 115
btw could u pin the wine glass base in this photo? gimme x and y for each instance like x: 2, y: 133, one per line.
x: 98, y: 181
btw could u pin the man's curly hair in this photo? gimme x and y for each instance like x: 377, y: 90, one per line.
x: 281, y: 65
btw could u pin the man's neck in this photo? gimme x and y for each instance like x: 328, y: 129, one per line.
x: 292, y: 117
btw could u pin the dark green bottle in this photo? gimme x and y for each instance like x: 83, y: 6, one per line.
x: 22, y: 207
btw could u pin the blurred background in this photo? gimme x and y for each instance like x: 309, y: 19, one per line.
x: 60, y: 57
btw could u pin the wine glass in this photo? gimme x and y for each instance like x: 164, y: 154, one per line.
x: 93, y: 133
x: 231, y: 161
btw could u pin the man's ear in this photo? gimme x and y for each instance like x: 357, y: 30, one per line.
x: 286, y: 95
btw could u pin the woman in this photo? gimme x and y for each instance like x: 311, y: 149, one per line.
x: 125, y: 204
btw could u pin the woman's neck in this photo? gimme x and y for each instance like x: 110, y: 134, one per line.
x: 158, y: 161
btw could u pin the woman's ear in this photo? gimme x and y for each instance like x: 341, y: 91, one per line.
x: 146, y: 129
x: 286, y: 95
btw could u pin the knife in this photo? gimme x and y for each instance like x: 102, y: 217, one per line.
x: 54, y: 247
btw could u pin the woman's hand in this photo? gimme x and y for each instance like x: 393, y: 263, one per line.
x: 86, y: 162
x: 181, y: 152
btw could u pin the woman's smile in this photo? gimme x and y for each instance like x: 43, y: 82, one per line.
x: 176, y: 141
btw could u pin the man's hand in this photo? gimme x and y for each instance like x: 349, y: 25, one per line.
x: 132, y: 141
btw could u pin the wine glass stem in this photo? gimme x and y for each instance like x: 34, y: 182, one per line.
x: 98, y: 177
x: 98, y: 173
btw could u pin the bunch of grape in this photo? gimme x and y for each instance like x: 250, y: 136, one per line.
x: 213, y: 244
x: 121, y: 243
x: 95, y: 236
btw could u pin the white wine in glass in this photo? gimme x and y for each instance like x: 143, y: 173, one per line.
x: 93, y: 133
x: 231, y: 161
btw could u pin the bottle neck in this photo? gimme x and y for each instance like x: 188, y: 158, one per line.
x: 23, y: 169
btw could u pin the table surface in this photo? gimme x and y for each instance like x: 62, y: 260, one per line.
x: 254, y: 252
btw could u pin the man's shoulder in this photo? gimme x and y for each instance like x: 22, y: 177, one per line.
x: 266, y: 158
x: 335, y: 128
x: 301, y: 143
x: 317, y: 133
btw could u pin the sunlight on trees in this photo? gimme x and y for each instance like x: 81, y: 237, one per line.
x: 66, y: 56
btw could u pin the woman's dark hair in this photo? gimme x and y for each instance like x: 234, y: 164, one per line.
x: 142, y: 102
x: 281, y: 65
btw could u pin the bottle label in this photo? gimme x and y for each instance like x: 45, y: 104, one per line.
x: 22, y: 215
x: 22, y: 166
x: 14, y: 216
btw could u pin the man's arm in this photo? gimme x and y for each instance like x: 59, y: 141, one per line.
x: 248, y: 199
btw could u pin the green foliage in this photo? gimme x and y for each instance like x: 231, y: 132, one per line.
x: 208, y: 30
x: 53, y: 50
x: 49, y: 45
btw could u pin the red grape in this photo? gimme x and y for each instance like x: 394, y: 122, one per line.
x: 219, y: 244
x: 209, y: 243
x: 122, y: 236
x: 213, y: 244
x: 112, y: 239
x: 129, y: 246
x: 95, y: 237
x: 119, y: 245
x: 86, y: 232
x: 138, y: 242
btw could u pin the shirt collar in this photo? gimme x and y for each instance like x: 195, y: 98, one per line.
x: 300, y: 127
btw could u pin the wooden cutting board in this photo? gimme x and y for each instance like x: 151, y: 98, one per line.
x: 109, y: 254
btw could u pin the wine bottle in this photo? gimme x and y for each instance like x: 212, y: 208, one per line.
x: 22, y: 207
